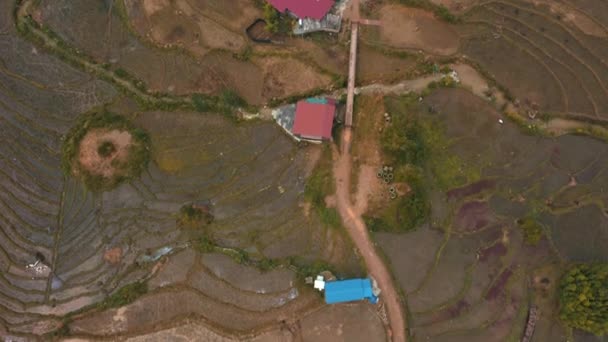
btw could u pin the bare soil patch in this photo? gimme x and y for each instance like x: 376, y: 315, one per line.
x: 409, y: 28
x: 196, y: 27
x: 369, y: 120
x: 113, y: 255
x: 153, y: 6
x: 235, y: 15
x: 221, y: 71
x: 289, y: 76
x: 343, y: 323
x: 94, y: 162
x: 331, y: 55
x: 375, y: 66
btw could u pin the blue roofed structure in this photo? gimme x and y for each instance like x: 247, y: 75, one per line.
x: 317, y: 100
x: 342, y: 291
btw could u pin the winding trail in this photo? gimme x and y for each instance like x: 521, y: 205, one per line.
x: 358, y: 232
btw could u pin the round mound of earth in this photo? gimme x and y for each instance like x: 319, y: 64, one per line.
x: 105, y: 149
x: 102, y: 151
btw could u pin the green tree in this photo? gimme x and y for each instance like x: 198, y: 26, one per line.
x: 272, y: 18
x: 584, y: 298
x: 532, y: 230
x: 191, y: 216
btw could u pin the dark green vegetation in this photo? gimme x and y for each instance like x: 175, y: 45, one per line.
x: 191, y: 216
x: 275, y: 21
x: 138, y: 154
x: 415, y: 144
x: 532, y: 229
x: 304, y: 268
x: 319, y: 185
x: 271, y: 16
x: 584, y: 298
x: 106, y: 148
x: 224, y: 104
x: 125, y: 295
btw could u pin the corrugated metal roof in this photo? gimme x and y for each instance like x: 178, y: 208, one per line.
x: 315, y: 9
x: 319, y: 100
x: 348, y: 290
x: 314, y: 119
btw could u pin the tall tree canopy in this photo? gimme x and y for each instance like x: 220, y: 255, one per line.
x: 584, y: 298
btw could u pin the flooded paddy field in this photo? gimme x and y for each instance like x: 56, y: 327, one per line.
x: 471, y: 274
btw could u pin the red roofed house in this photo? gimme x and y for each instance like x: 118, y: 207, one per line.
x: 314, y: 119
x: 313, y: 9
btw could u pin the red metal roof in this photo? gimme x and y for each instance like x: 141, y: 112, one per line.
x: 314, y: 120
x: 314, y: 9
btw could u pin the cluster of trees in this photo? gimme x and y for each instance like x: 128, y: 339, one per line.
x: 275, y: 21
x: 272, y: 17
x: 584, y: 298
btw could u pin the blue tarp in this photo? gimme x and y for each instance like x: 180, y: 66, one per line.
x: 317, y: 100
x: 349, y: 290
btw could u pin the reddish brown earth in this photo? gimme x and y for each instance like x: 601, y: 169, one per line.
x: 113, y: 255
x: 96, y: 164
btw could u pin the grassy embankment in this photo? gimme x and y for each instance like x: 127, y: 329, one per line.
x: 415, y: 144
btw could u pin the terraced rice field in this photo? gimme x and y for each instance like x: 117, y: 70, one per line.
x: 113, y: 35
x: 551, y: 55
x: 469, y: 275
x: 91, y: 244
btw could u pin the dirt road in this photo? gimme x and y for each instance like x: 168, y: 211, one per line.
x: 358, y: 232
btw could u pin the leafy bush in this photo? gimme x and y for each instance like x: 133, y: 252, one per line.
x: 275, y: 21
x: 122, y: 73
x: 403, y: 140
x: 106, y: 149
x: 404, y: 213
x: 201, y: 104
x: 125, y: 295
x: 231, y: 98
x: 244, y: 55
x: 267, y: 264
x: 415, y: 208
x: 532, y: 230
x: 272, y: 18
x: 306, y: 268
x: 584, y: 298
x: 204, y: 245
x: 194, y: 217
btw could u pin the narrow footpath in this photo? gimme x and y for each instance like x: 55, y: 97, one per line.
x: 358, y: 232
